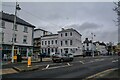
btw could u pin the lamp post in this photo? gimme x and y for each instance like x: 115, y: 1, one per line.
x: 17, y: 8
x: 92, y: 44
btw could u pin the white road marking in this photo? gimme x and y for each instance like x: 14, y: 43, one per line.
x: 56, y: 67
x: 82, y: 62
x: 115, y: 61
x: 47, y: 66
x: 100, y: 73
x: 68, y: 64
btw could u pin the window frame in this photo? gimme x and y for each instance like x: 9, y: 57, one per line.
x: 25, y: 38
x: 25, y: 29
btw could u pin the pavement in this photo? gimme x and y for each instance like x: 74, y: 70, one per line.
x: 79, y: 68
x: 25, y: 61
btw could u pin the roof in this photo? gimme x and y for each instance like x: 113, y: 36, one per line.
x: 87, y: 41
x: 50, y: 35
x: 10, y: 18
x: 70, y: 29
x: 39, y: 29
x: 102, y: 44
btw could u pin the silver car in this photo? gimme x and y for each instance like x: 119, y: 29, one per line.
x: 57, y: 57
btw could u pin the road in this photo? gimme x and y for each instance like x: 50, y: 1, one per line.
x: 79, y: 68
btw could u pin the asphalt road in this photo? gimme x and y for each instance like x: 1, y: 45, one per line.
x: 79, y: 68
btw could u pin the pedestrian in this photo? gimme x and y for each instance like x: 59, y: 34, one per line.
x: 5, y: 57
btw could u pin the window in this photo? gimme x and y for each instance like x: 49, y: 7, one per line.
x: 25, y: 39
x: 61, y: 43
x: 16, y: 27
x: 56, y: 41
x: 1, y: 36
x: 15, y: 38
x: 65, y: 34
x: 70, y: 33
x: 42, y: 42
x: 56, y: 50
x: 52, y: 50
x: 45, y: 42
x: 3, y: 24
x: 25, y: 29
x: 66, y: 42
x: 48, y: 42
x: 61, y: 34
x: 52, y: 42
x: 87, y: 44
x: 70, y: 42
x: 61, y: 51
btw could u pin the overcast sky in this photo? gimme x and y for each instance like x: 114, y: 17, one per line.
x: 85, y: 17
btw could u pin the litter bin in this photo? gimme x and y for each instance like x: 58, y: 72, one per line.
x: 19, y: 58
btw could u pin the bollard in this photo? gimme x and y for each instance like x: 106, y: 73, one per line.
x: 29, y: 61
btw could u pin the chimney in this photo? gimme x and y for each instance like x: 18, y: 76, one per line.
x: 62, y: 29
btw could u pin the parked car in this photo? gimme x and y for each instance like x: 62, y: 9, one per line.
x: 57, y: 57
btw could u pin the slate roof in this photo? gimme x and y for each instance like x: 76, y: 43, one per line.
x: 87, y: 41
x: 71, y: 29
x: 50, y: 35
x: 10, y: 18
x: 39, y: 29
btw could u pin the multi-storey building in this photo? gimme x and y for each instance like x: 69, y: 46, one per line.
x: 49, y: 44
x: 37, y: 40
x: 22, y: 32
x: 87, y: 47
x: 69, y: 41
x: 66, y: 41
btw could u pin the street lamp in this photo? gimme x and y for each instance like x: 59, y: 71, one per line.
x: 92, y: 44
x: 17, y: 8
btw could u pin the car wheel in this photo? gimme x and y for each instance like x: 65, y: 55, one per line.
x: 71, y: 59
x: 54, y: 61
x: 61, y: 60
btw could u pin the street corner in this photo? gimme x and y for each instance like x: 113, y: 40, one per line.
x: 25, y: 68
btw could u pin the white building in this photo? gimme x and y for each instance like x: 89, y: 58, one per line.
x: 87, y: 47
x: 37, y: 40
x: 23, y: 34
x: 66, y: 41
x: 49, y: 44
x: 101, y: 48
x: 40, y: 32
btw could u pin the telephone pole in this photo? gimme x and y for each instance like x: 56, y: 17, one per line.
x: 17, y: 8
x: 117, y: 10
x: 92, y: 44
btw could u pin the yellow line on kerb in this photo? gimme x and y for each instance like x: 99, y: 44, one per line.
x: 101, y: 73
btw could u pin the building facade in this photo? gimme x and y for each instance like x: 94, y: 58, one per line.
x: 49, y: 44
x: 22, y: 32
x: 66, y: 41
x: 38, y: 33
x: 89, y: 47
x: 69, y: 41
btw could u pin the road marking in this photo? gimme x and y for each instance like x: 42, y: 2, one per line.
x: 115, y: 61
x: 68, y: 64
x: 82, y: 62
x: 47, y: 66
x: 100, y: 74
x: 56, y: 67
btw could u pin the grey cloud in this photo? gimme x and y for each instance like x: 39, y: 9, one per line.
x: 85, y: 26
